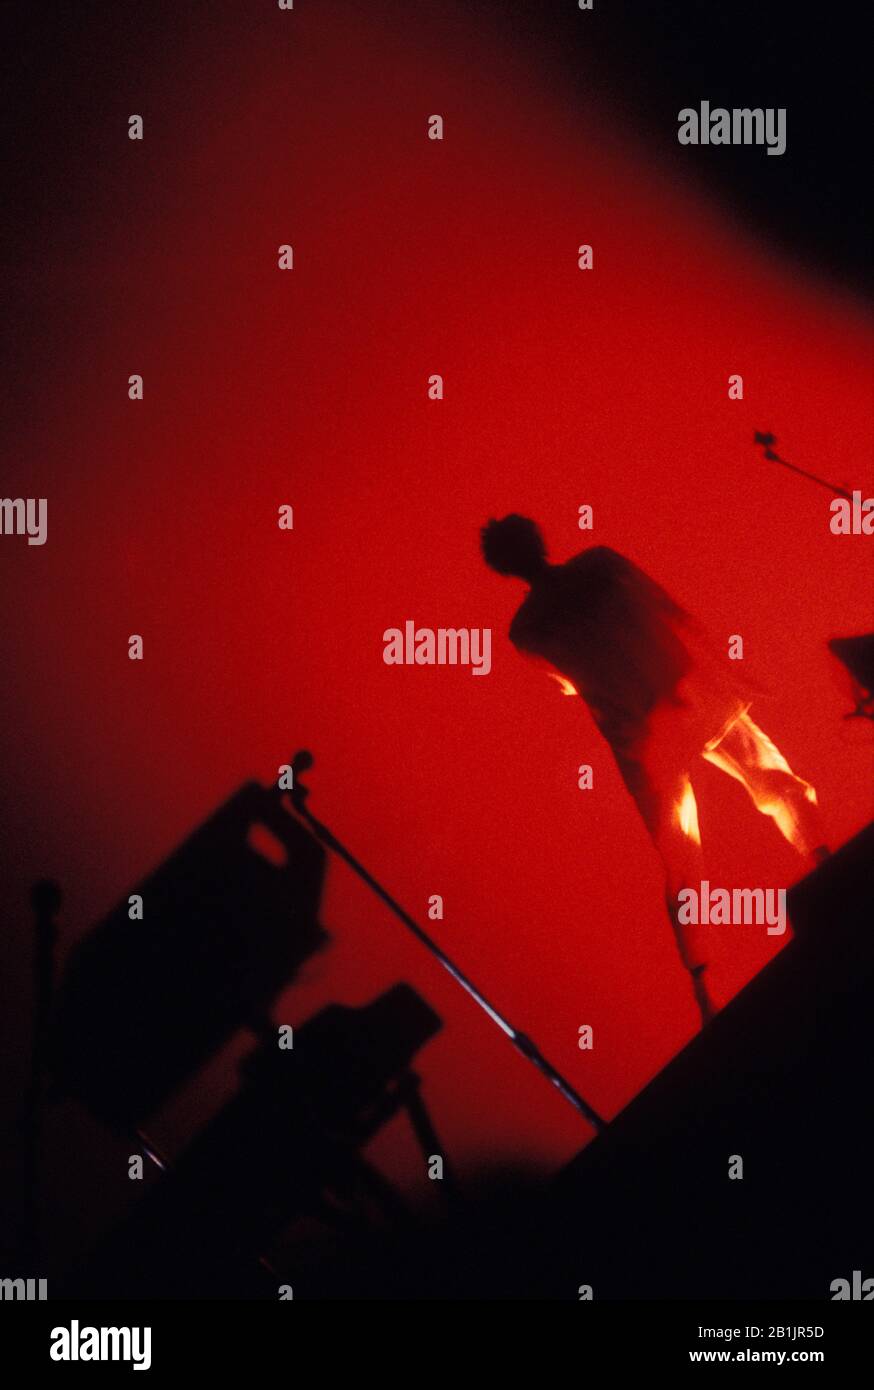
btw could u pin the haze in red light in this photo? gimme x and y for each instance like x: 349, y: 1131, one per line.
x: 309, y: 388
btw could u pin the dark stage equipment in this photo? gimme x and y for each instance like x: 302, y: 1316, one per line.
x: 143, y: 1004
x: 288, y: 1145
x: 145, y: 1001
x: 857, y: 655
x: 647, y: 1210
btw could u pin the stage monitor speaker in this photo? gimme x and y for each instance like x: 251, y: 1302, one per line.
x: 226, y: 923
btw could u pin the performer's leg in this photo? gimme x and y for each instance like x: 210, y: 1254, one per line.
x: 667, y: 803
x: 746, y: 753
x: 675, y: 835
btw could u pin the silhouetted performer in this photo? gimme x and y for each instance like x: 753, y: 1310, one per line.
x: 660, y: 695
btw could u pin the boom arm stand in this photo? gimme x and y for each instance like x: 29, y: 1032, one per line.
x: 301, y: 762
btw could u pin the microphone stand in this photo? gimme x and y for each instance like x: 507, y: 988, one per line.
x: 766, y: 440
x: 523, y: 1044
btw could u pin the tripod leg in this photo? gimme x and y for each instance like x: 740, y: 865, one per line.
x: 410, y: 1097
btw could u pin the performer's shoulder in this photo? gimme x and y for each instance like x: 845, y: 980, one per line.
x: 597, y: 557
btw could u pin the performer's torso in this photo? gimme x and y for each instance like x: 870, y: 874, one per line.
x: 618, y: 636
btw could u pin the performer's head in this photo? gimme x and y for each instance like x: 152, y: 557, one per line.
x: 514, y: 546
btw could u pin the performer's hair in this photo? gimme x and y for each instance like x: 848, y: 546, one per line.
x: 513, y: 546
